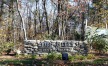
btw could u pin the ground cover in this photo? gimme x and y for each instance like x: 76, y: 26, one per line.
x: 21, y: 60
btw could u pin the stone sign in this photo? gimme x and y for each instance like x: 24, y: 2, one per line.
x: 47, y: 46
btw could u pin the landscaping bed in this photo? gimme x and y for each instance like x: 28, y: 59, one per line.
x: 29, y: 62
x: 53, y: 60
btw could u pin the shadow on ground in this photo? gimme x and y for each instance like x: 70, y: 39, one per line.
x: 44, y: 62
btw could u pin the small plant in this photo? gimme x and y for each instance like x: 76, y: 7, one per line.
x: 90, y: 56
x: 20, y: 56
x: 52, y: 56
x: 59, y: 57
x: 44, y: 56
x: 33, y: 56
x: 80, y: 57
x: 71, y: 58
x: 97, y: 62
x: 99, y: 44
x: 77, y: 56
x: 6, y: 47
x: 28, y: 56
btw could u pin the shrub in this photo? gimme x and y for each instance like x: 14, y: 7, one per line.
x: 90, y: 56
x: 76, y: 57
x: 6, y: 47
x: 80, y: 57
x: 99, y: 44
x: 44, y: 56
x: 59, y: 57
x: 52, y: 56
x: 71, y: 58
x: 33, y: 56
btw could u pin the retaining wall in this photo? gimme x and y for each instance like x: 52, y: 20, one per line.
x: 47, y: 46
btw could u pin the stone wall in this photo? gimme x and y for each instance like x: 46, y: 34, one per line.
x: 47, y: 46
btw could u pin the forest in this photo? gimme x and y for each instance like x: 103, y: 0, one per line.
x: 51, y: 20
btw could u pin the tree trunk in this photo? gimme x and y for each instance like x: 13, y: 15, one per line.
x: 1, y: 10
x: 83, y: 28
x: 46, y: 17
x: 22, y: 21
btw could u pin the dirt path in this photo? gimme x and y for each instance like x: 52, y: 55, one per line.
x: 5, y: 57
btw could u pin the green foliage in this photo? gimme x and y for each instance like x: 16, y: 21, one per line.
x: 5, y: 47
x: 77, y: 36
x: 99, y: 61
x: 90, y: 56
x: 16, y: 62
x: 80, y: 57
x: 76, y: 57
x: 59, y: 57
x: 48, y: 37
x: 52, y: 56
x: 33, y: 57
x: 25, y: 62
x: 19, y: 56
x: 44, y: 56
x: 8, y: 45
x: 99, y: 43
x: 55, y: 56
x: 28, y: 56
x: 71, y: 58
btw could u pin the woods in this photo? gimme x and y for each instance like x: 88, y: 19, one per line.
x: 50, y: 19
x: 28, y: 28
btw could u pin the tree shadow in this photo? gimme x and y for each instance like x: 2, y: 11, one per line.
x: 45, y: 62
x: 23, y: 62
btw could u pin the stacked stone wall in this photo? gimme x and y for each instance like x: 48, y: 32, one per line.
x: 47, y: 46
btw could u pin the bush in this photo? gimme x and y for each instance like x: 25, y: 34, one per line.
x: 99, y: 44
x: 80, y: 57
x: 44, y: 56
x: 59, y: 57
x: 6, y: 47
x: 33, y: 56
x: 76, y: 57
x: 71, y: 58
x: 54, y: 56
x: 90, y: 56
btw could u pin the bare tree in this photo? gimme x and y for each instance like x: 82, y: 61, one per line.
x: 22, y: 21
